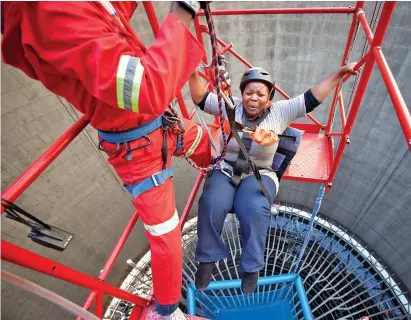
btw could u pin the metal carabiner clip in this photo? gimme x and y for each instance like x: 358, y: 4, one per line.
x: 129, y: 151
x: 107, y: 151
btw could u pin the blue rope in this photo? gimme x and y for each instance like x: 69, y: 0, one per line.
x: 310, y: 227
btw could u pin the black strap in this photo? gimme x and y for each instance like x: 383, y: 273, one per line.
x: 164, y: 149
x: 252, y: 165
x: 244, y: 161
x: 14, y: 212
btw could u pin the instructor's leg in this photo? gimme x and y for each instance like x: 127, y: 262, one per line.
x: 158, y: 212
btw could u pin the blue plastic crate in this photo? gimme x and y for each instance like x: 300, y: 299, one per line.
x: 286, y: 302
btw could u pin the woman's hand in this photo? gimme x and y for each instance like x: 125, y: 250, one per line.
x: 350, y: 69
x: 322, y: 89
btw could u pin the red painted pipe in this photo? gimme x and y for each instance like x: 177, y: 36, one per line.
x: 152, y: 17
x: 37, y: 167
x: 382, y: 27
x: 230, y: 12
x: 28, y: 259
x: 229, y: 46
x: 99, y: 305
x: 366, y: 26
x: 348, y: 45
x: 183, y: 107
x: 396, y: 97
x: 190, y: 201
x: 112, y: 258
x: 342, y: 110
x: 244, y: 61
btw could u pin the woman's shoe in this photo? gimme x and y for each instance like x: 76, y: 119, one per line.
x: 249, y: 282
x: 203, y: 275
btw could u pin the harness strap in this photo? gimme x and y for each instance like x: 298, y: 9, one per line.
x: 244, y: 161
x: 132, y: 134
x: 151, y: 182
x: 252, y: 165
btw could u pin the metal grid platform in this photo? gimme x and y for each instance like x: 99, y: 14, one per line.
x: 343, y: 280
x: 313, y: 160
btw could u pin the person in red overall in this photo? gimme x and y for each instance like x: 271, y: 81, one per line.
x: 88, y: 53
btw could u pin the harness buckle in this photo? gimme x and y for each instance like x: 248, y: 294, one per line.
x: 155, y: 181
x: 153, y: 177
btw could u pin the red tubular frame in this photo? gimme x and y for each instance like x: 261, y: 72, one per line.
x: 112, y: 259
x: 41, y: 264
x: 395, y: 94
x: 190, y: 201
x: 27, y: 177
x: 382, y: 27
x: 31, y: 260
x: 359, y: 6
x: 368, y: 32
x: 342, y: 110
x: 249, y: 65
x: 231, y: 12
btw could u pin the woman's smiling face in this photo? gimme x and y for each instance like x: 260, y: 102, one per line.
x: 255, y: 98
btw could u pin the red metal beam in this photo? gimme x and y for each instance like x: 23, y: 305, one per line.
x: 342, y: 110
x: 395, y: 94
x: 28, y: 259
x: 244, y: 61
x: 99, y: 305
x: 191, y: 198
x: 304, y: 179
x: 183, y: 107
x: 37, y: 167
x: 112, y: 258
x: 348, y: 46
x: 382, y: 27
x: 152, y: 17
x: 367, y: 29
x: 231, y: 12
x: 225, y: 49
x: 199, y: 29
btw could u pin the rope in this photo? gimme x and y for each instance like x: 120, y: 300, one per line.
x: 310, y: 228
x: 373, y: 21
x: 214, y: 63
x: 214, y: 145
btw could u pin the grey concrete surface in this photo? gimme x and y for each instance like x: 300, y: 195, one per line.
x: 371, y: 195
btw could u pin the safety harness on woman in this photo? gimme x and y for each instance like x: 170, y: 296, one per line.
x: 289, y: 139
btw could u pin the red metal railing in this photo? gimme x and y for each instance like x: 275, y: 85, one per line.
x: 41, y: 264
x: 41, y: 164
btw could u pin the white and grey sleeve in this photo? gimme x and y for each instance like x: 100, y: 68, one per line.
x: 211, y: 104
x: 291, y: 110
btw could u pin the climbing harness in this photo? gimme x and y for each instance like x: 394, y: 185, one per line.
x: 167, y: 121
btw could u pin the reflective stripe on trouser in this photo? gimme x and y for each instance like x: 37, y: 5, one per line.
x: 158, y: 212
x: 196, y: 143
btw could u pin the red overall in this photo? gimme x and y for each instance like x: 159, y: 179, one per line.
x: 81, y: 52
